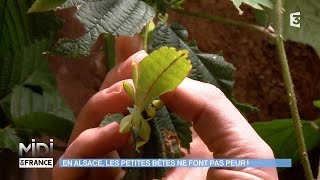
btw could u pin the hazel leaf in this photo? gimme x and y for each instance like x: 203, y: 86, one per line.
x: 257, y: 4
x: 111, y: 118
x: 113, y: 17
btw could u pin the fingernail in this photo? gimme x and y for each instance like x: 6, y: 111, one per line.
x: 139, y: 56
x: 135, y: 58
x: 115, y: 90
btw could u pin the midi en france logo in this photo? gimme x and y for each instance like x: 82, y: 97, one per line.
x: 38, y: 151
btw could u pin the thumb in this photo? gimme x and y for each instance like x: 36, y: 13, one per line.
x: 221, y: 127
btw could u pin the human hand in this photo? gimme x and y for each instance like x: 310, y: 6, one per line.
x: 220, y: 131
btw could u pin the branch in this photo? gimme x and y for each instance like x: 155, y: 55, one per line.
x: 290, y: 90
x: 110, y: 51
x: 145, y: 36
x: 226, y: 21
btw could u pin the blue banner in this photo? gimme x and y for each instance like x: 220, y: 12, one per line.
x: 149, y: 163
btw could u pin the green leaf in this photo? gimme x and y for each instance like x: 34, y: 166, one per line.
x: 115, y: 17
x: 45, y: 113
x: 24, y: 39
x: 316, y: 104
x: 183, y: 129
x: 46, y: 123
x: 9, y: 139
x: 280, y: 135
x: 162, y: 71
x: 165, y: 135
x: 28, y: 66
x: 19, y: 29
x: 45, y: 5
x: 5, y: 106
x: 257, y: 4
x: 21, y: 59
x: 111, y: 118
x: 308, y: 33
x: 208, y: 68
x: 15, y: 25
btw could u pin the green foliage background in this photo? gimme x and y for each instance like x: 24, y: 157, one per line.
x: 30, y: 103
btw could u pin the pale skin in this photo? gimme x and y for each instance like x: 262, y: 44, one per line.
x: 219, y: 130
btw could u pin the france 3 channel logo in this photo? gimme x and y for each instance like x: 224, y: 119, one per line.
x: 295, y: 19
x: 38, y: 150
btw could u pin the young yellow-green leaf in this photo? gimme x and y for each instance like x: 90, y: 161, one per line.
x: 158, y: 104
x: 151, y: 111
x: 128, y: 89
x: 45, y: 5
x: 125, y: 124
x: 316, y: 104
x: 162, y: 71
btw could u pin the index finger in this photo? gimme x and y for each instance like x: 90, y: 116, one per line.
x: 107, y: 101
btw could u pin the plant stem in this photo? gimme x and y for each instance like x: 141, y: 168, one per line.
x: 145, y: 36
x: 226, y: 21
x: 290, y: 90
x: 110, y: 51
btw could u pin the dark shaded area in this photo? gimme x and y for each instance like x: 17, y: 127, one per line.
x: 296, y: 171
x: 9, y: 166
x: 36, y: 89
